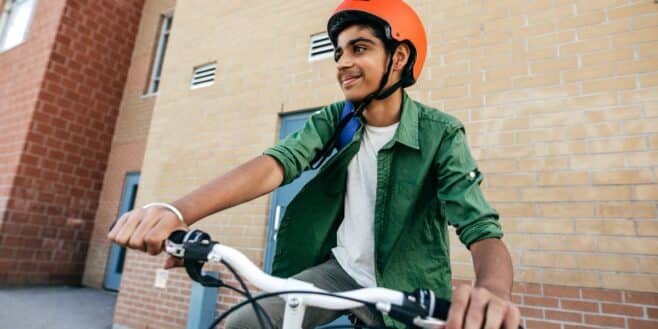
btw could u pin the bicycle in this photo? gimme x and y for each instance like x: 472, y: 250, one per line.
x: 417, y: 309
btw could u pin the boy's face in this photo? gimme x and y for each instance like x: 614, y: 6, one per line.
x: 360, y: 62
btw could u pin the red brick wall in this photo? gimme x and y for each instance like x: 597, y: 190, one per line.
x: 140, y: 306
x: 560, y: 307
x: 23, y: 68
x: 50, y: 211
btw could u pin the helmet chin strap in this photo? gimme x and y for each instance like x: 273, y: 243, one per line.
x: 381, y: 93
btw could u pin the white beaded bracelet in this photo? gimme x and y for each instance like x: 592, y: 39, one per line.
x: 167, y: 206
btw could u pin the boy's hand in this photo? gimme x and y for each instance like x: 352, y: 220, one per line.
x: 145, y: 229
x: 476, y: 307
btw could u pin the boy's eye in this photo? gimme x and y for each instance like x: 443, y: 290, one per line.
x: 356, y: 49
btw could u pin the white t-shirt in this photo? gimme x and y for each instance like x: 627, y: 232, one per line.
x: 355, y: 237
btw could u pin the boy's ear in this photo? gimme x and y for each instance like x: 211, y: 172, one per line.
x: 401, y: 56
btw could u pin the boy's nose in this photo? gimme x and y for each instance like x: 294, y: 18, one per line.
x: 344, y: 62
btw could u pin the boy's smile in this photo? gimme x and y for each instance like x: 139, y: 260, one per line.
x: 348, y: 80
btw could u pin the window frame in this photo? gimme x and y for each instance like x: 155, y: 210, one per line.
x: 166, y: 21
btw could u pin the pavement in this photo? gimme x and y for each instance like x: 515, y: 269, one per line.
x: 58, y: 307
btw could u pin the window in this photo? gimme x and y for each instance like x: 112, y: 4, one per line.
x: 156, y: 70
x: 15, y: 22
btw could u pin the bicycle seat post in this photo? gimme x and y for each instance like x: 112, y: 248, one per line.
x: 293, y: 317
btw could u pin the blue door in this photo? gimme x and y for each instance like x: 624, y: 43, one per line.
x: 283, y: 195
x: 117, y: 253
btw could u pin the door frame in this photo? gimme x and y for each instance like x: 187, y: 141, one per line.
x: 116, y: 255
x: 270, y: 241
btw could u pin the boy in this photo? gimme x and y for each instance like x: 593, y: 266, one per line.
x: 376, y: 214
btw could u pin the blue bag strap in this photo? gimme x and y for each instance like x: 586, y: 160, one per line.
x: 350, y: 128
x: 347, y: 126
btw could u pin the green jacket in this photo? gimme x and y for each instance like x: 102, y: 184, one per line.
x: 426, y: 179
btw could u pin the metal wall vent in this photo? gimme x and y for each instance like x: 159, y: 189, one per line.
x: 320, y: 47
x: 203, y: 76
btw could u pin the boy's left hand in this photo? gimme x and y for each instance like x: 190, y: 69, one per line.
x: 477, y: 307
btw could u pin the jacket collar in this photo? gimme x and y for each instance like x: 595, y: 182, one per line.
x: 407, y: 132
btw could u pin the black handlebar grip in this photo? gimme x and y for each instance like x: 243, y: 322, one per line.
x: 441, y: 308
x: 177, y: 236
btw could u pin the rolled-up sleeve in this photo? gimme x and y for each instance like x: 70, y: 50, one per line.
x: 462, y: 201
x: 296, y: 151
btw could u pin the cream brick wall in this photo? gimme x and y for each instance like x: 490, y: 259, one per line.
x: 554, y: 96
x: 559, y: 99
x: 260, y: 68
x: 136, y: 107
x: 563, y: 132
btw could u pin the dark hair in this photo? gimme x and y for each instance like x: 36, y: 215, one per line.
x: 345, y: 19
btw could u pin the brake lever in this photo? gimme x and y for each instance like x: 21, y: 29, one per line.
x: 193, y: 247
x: 174, y: 245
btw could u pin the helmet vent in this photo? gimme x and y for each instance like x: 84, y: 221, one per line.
x: 204, y: 75
x: 320, y: 47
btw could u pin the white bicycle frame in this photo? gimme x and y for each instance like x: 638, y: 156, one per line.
x: 296, y: 303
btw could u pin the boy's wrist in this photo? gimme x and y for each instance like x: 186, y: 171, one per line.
x: 167, y: 206
x: 493, y: 288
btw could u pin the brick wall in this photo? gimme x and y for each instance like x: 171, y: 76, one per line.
x: 54, y: 196
x: 23, y: 68
x: 545, y: 306
x: 129, y: 139
x: 559, y: 98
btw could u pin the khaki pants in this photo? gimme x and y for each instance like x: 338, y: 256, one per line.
x: 328, y: 276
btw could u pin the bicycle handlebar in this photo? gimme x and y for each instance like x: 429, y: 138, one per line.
x: 420, y: 308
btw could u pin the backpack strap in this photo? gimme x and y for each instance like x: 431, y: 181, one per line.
x: 347, y: 126
x: 347, y: 133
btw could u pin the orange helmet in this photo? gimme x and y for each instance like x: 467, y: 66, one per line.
x: 402, y: 25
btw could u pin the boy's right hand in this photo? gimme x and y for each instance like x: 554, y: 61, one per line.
x: 146, y: 230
